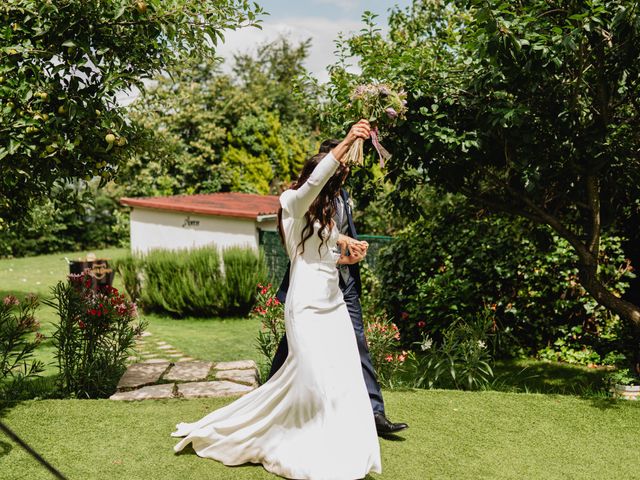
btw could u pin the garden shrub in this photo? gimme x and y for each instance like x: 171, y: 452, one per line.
x: 243, y: 269
x: 77, y: 216
x: 17, y: 344
x: 93, y: 337
x: 270, y: 311
x: 383, y: 342
x: 456, y: 260
x: 198, y: 282
x: 461, y: 359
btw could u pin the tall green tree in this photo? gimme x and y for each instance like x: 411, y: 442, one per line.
x: 527, y: 107
x: 207, y: 130
x: 61, y: 66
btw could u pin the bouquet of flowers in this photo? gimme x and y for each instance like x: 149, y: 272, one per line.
x: 383, y: 107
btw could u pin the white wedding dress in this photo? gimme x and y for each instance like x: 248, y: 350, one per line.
x: 313, y: 418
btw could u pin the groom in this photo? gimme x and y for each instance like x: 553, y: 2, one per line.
x: 351, y: 288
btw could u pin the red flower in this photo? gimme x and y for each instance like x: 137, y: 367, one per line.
x: 276, y: 301
x: 404, y: 315
x: 81, y: 324
x: 422, y: 324
x: 389, y: 358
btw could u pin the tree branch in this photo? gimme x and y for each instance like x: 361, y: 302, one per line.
x: 593, y: 198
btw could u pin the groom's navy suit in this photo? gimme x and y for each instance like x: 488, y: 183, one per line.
x: 351, y: 289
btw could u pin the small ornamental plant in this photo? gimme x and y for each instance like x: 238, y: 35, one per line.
x: 270, y: 311
x: 383, y: 106
x: 383, y: 341
x: 94, y: 336
x: 19, y: 337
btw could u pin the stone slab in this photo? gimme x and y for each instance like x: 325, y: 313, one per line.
x: 152, y: 392
x: 211, y: 389
x: 156, y: 360
x: 189, y: 371
x: 237, y: 365
x: 165, y: 347
x: 141, y: 374
x: 247, y: 377
x: 145, y: 334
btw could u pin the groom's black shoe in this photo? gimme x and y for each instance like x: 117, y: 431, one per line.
x: 385, y: 427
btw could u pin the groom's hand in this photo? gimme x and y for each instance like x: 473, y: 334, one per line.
x: 357, y: 252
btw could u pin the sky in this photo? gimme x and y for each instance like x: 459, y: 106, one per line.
x: 319, y: 20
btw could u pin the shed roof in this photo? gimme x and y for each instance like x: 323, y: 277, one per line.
x: 225, y: 204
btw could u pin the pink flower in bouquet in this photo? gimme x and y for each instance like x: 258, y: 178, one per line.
x: 391, y: 113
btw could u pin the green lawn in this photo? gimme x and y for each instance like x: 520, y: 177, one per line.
x: 453, y: 434
x: 206, y: 339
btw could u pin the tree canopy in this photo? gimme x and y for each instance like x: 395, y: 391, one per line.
x: 529, y: 108
x: 206, y: 130
x: 61, y: 66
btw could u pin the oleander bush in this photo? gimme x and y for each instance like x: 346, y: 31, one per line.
x: 270, y: 311
x: 17, y: 344
x: 199, y: 282
x: 94, y: 335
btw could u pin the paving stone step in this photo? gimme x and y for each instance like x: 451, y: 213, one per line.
x: 141, y: 374
x: 189, y: 371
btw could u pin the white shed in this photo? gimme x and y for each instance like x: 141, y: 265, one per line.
x: 188, y: 221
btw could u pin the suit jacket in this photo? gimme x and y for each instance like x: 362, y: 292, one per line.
x: 354, y: 270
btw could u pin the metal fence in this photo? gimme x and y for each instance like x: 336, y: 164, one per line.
x: 277, y: 260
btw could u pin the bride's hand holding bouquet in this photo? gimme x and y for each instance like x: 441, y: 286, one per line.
x: 383, y: 107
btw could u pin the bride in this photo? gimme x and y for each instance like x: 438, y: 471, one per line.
x: 312, y: 419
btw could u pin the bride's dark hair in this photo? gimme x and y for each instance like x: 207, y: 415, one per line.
x: 323, y: 207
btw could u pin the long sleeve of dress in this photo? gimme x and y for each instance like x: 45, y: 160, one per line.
x: 297, y: 202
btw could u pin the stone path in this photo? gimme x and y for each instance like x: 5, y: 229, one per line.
x: 154, y: 376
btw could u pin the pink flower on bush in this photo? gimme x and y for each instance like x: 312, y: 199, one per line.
x: 422, y: 324
x: 10, y: 300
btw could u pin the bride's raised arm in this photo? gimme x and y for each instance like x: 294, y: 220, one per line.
x: 298, y: 201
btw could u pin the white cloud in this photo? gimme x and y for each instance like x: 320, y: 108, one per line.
x: 322, y: 32
x: 343, y: 4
